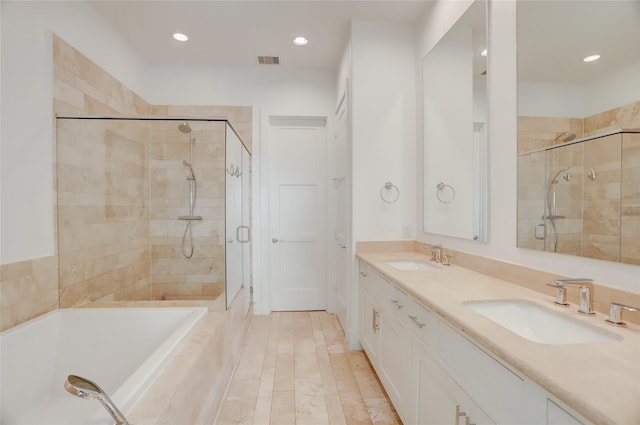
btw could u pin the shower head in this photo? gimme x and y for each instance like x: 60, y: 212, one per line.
x: 185, y: 127
x: 83, y: 388
x: 565, y: 137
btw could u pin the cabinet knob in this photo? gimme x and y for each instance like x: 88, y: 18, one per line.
x: 274, y: 240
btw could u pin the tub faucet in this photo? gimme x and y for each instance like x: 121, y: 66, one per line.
x: 586, y: 293
x: 84, y: 388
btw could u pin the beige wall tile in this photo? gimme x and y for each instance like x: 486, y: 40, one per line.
x: 27, y: 290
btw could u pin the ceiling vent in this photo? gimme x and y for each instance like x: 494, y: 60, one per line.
x: 268, y: 60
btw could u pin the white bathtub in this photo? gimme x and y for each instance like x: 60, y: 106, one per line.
x: 121, y: 349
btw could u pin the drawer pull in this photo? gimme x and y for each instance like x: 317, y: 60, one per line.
x: 375, y: 326
x: 363, y: 274
x: 397, y: 304
x: 414, y: 319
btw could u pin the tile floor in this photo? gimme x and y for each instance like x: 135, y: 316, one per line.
x: 296, y: 369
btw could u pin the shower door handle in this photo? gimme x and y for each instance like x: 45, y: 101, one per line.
x: 240, y: 240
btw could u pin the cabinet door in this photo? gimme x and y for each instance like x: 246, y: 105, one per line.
x: 369, y: 324
x: 395, y: 354
x: 440, y: 400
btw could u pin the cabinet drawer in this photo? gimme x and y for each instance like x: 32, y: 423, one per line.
x: 498, y: 390
x: 396, y: 300
x: 419, y: 321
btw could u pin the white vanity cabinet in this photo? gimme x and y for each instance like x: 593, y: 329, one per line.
x: 435, y: 374
x: 384, y: 334
x: 369, y: 316
x: 439, y: 399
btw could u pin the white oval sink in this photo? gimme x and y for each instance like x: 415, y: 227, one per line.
x: 540, y: 324
x: 411, y: 265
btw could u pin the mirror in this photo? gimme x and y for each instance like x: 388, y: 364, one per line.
x: 455, y: 129
x: 578, y: 173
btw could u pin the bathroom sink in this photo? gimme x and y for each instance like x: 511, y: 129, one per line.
x: 411, y: 265
x: 540, y: 324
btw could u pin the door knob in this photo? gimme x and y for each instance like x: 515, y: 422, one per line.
x: 274, y: 240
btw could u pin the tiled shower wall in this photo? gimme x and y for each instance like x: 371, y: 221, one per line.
x: 103, y: 214
x: 203, y: 275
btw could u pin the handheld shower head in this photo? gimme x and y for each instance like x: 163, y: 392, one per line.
x: 184, y: 127
x: 83, y: 388
x: 188, y: 164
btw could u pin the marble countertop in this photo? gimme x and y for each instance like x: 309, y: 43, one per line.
x: 601, y: 381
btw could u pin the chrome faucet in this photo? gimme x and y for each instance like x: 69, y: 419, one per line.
x: 586, y: 293
x: 436, y: 252
x: 84, y: 388
x: 615, y: 314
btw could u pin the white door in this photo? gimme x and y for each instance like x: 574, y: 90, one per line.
x: 340, y: 248
x: 297, y: 219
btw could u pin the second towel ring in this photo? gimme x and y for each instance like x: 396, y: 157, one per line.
x: 389, y: 186
x: 440, y: 189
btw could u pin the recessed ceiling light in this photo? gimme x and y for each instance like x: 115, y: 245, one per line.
x: 180, y: 37
x: 591, y: 58
x: 300, y: 41
x: 483, y: 53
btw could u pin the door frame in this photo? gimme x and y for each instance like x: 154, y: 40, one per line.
x: 267, y: 136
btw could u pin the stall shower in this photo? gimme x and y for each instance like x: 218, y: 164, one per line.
x: 552, y: 203
x: 129, y: 228
x: 187, y: 237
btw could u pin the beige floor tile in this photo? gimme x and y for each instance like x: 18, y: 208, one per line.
x: 240, y: 388
x: 266, y: 382
x: 306, y: 365
x: 308, y: 386
x: 368, y: 383
x: 283, y: 408
x: 311, y: 409
x: 284, y: 373
x: 262, y: 415
x: 328, y: 380
x: 355, y: 411
x: 296, y: 369
x: 334, y: 407
x: 237, y: 412
x: 381, y: 412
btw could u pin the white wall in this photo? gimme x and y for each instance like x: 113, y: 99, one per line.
x: 580, y: 99
x: 503, y: 165
x: 27, y: 92
x: 383, y: 128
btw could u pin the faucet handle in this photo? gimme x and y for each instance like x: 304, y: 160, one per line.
x: 615, y: 314
x: 561, y: 296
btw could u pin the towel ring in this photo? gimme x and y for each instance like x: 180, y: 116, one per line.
x: 389, y: 186
x: 441, y: 187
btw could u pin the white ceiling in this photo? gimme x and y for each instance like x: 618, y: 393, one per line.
x: 234, y: 33
x: 554, y: 36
